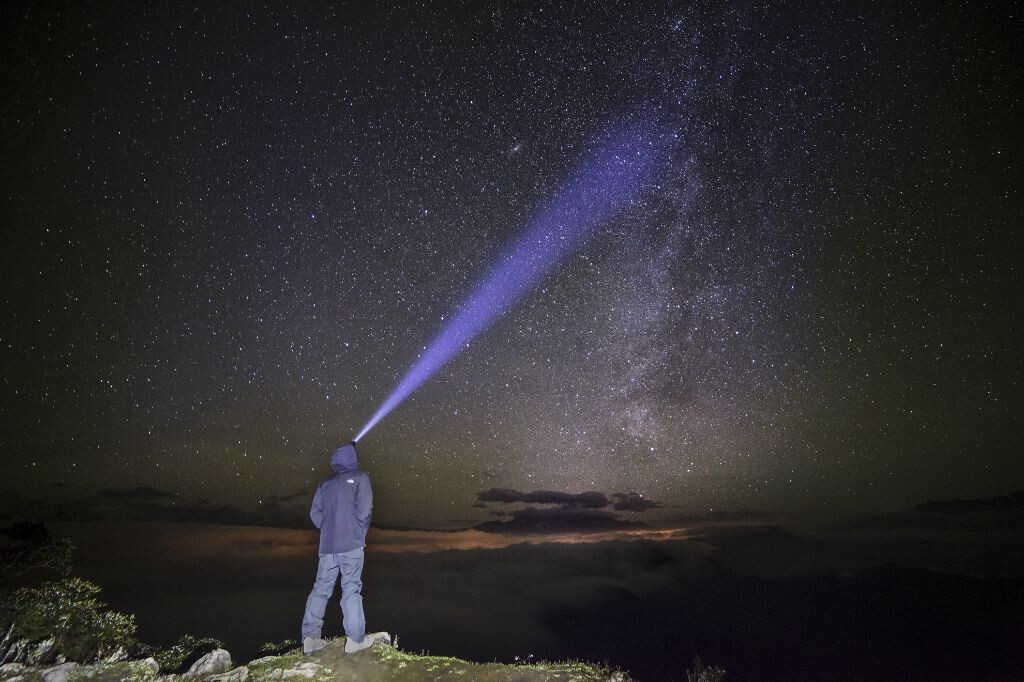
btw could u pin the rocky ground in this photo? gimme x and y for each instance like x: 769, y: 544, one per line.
x: 383, y: 662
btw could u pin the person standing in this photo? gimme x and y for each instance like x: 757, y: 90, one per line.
x: 341, y: 510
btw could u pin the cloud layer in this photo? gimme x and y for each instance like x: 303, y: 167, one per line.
x: 764, y: 602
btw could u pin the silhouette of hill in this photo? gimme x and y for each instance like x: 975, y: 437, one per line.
x: 1012, y: 502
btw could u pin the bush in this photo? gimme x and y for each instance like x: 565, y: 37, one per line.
x: 173, y: 658
x: 63, y: 619
x: 704, y: 673
x: 278, y: 648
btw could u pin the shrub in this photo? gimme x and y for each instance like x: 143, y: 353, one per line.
x: 703, y: 673
x: 173, y: 658
x: 63, y: 619
x: 278, y: 648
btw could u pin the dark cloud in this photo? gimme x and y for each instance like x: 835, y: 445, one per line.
x: 558, y: 520
x: 633, y: 502
x: 586, y: 500
x: 589, y: 500
x: 562, y: 512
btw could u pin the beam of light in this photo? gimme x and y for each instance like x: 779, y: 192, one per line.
x: 608, y: 178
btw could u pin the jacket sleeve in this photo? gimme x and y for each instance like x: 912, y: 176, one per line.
x: 364, y: 504
x: 316, y: 512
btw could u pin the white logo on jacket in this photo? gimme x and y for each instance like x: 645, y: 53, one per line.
x: 350, y: 480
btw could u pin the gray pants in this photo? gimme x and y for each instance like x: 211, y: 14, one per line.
x: 350, y: 565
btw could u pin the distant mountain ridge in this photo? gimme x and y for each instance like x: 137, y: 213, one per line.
x: 1003, y: 503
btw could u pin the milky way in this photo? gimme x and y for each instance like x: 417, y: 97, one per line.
x: 231, y: 230
x: 610, y: 178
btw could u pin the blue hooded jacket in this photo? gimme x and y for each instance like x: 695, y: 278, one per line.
x: 342, y: 504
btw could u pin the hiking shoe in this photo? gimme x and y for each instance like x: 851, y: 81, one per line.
x: 368, y: 641
x: 311, y: 645
x: 352, y: 647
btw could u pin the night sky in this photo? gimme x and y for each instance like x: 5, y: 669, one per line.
x: 229, y: 230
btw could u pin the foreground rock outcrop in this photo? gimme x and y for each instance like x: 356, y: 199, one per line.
x: 381, y: 663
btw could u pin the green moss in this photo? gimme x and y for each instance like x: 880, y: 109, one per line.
x: 446, y: 666
x: 289, y: 660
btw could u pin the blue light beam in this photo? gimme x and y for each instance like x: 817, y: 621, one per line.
x: 608, y: 178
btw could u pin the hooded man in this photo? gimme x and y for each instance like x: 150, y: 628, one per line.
x: 341, y: 510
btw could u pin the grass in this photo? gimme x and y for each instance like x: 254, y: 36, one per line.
x: 386, y: 662
x: 381, y: 663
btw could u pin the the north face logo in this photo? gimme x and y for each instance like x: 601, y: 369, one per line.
x: 350, y: 480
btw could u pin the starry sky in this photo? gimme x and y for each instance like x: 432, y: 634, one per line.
x: 229, y: 230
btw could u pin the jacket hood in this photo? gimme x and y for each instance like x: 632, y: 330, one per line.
x: 344, y: 457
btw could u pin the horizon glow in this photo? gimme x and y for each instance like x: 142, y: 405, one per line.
x: 609, y: 177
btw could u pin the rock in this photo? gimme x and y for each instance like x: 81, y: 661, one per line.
x: 58, y: 673
x: 239, y: 674
x: 302, y: 670
x: 264, y: 659
x: 306, y: 670
x: 9, y: 669
x: 151, y: 664
x: 217, y: 661
x: 117, y: 656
